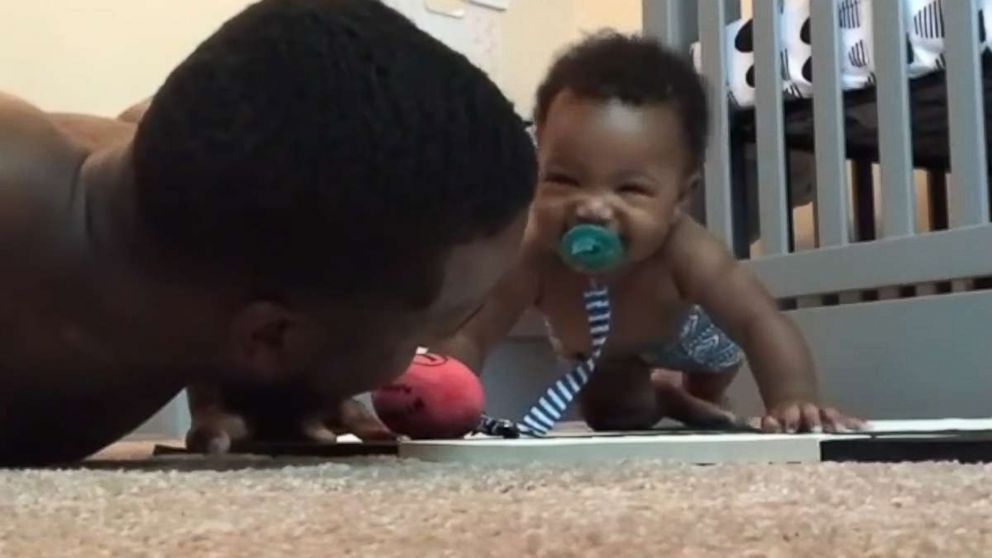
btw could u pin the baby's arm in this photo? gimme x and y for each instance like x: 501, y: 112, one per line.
x: 707, y: 274
x: 513, y: 295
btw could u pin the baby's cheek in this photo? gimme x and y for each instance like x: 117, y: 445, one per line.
x: 647, y: 234
x: 548, y: 221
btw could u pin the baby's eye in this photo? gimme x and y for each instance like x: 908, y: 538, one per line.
x: 559, y: 178
x: 634, y: 189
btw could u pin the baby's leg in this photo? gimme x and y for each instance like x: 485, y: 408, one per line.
x: 710, y: 358
x: 620, y: 396
x: 628, y: 394
x: 711, y: 385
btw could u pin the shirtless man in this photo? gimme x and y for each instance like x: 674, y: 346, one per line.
x: 317, y: 190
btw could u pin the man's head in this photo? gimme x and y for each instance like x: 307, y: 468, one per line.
x: 622, y: 128
x: 333, y: 158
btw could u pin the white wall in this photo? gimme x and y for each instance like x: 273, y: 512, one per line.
x: 516, y: 46
x: 538, y: 30
x: 101, y: 56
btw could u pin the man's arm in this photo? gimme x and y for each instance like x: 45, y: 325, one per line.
x: 707, y: 274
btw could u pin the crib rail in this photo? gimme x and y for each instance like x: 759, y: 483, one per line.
x: 904, y: 251
x: 961, y: 253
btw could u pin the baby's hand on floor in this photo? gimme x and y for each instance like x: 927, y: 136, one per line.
x: 806, y: 416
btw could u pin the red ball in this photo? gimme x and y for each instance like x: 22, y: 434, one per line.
x: 437, y: 397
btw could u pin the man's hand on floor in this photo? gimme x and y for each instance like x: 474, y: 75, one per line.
x: 219, y: 427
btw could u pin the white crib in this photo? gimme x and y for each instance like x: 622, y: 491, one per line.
x: 890, y: 290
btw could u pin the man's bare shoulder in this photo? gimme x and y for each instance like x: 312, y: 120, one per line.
x: 30, y: 138
x: 38, y: 168
x: 93, y: 133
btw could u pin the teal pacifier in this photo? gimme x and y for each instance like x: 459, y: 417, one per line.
x: 591, y: 248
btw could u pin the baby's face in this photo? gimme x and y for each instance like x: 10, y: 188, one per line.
x: 608, y: 163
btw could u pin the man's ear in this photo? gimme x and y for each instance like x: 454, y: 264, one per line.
x: 268, y: 340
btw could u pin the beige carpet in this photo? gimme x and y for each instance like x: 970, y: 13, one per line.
x: 384, y: 507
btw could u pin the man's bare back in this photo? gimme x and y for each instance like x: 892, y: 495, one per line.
x: 65, y: 352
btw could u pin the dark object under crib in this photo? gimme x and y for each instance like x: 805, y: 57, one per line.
x: 930, y: 151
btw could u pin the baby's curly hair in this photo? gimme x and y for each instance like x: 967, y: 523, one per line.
x: 633, y: 69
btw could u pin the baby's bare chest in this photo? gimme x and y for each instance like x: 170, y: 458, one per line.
x: 646, y: 309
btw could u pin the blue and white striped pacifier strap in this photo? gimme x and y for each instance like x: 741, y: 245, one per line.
x: 551, y: 406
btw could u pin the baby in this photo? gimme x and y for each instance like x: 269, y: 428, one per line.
x: 621, y: 129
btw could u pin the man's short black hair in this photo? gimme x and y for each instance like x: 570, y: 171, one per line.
x: 633, y: 69
x: 329, y: 145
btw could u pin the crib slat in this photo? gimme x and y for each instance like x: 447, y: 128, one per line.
x: 889, y: 29
x: 828, y: 126
x: 969, y: 204
x: 713, y: 44
x: 772, y: 203
x: 673, y: 22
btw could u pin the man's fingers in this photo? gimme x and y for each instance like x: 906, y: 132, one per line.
x: 315, y: 430
x: 208, y: 440
x: 353, y: 417
x: 215, y: 432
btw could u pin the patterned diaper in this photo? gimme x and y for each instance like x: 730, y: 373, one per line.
x: 701, y: 347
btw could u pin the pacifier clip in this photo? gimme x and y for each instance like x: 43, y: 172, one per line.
x: 592, y: 249
x: 551, y: 406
